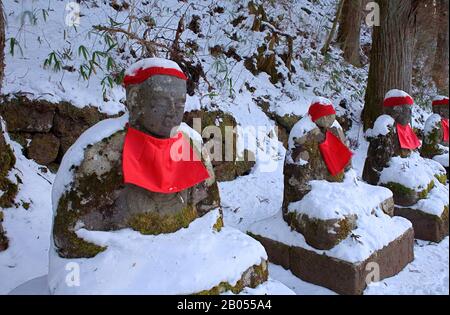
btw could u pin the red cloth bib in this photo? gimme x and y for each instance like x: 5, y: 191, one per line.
x: 160, y: 165
x: 407, y: 137
x: 444, y: 123
x: 335, y: 154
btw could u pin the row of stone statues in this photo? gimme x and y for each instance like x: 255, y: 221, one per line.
x: 121, y: 174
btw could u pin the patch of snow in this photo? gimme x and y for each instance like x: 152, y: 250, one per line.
x: 442, y: 159
x: 396, y: 93
x: 426, y: 275
x: 190, y: 260
x: 28, y: 230
x: 321, y: 100
x: 440, y: 98
x: 436, y: 200
x: 381, y: 127
x: 433, y: 122
x: 413, y: 172
x: 328, y: 200
x: 150, y: 63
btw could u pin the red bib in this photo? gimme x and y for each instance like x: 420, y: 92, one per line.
x: 160, y: 165
x: 444, y: 123
x: 407, y: 137
x: 335, y: 154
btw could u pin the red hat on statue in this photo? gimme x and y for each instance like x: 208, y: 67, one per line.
x: 440, y: 101
x: 321, y: 107
x: 146, y: 68
x: 397, y: 98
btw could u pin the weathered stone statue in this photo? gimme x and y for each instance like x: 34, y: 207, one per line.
x: 436, y: 133
x: 393, y: 161
x: 332, y: 223
x: 305, y: 163
x: 122, y: 175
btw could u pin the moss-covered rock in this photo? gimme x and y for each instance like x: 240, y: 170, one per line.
x: 152, y: 223
x: 24, y: 115
x: 322, y: 234
x: 44, y: 148
x: 225, y: 168
x: 287, y: 121
x: 8, y: 189
x: 252, y: 277
x: 442, y: 178
x: 46, y: 130
x: 404, y: 196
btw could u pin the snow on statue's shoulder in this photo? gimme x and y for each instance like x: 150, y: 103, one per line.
x: 433, y: 122
x: 381, y: 126
x: 75, y: 154
x: 151, y: 63
x: 301, y: 128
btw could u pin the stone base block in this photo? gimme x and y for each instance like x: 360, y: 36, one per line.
x: 380, y: 248
x: 427, y: 227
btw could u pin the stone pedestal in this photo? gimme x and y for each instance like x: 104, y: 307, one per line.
x: 286, y: 248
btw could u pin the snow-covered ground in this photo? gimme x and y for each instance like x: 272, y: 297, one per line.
x: 39, y: 28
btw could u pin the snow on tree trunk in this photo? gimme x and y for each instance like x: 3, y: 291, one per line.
x: 391, y: 57
x: 441, y: 66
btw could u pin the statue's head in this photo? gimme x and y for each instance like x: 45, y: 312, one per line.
x: 322, y: 112
x: 398, y: 105
x: 156, y: 96
x: 440, y: 106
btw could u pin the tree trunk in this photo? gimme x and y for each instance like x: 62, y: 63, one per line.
x: 441, y: 66
x: 326, y: 47
x: 2, y: 44
x: 350, y: 31
x: 391, y: 57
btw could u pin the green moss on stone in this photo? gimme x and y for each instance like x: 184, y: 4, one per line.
x: 69, y: 244
x: 400, y: 190
x: 442, y: 178
x: 430, y: 145
x: 445, y: 214
x: 254, y: 276
x: 219, y: 224
x: 424, y: 193
x: 153, y: 223
x: 7, y: 162
x: 89, y: 193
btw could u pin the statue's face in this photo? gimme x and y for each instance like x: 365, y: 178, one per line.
x: 326, y: 121
x: 157, y: 104
x: 401, y: 114
x: 441, y: 110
